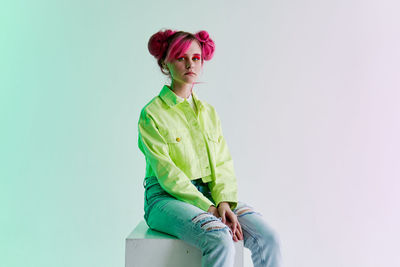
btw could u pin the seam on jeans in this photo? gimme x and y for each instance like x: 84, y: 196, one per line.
x: 256, y: 240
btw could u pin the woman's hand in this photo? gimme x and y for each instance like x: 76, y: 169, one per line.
x: 212, y: 209
x: 229, y: 218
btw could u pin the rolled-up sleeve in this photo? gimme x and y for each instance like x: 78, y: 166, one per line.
x: 224, y: 186
x: 172, y: 179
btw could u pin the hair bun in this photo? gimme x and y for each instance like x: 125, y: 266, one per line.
x: 208, y: 45
x: 157, y: 43
x: 202, y: 36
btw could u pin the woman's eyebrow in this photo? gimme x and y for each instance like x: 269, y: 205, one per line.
x: 193, y: 54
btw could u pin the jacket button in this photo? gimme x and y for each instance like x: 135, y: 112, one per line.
x: 178, y: 139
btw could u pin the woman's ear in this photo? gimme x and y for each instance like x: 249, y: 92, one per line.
x: 164, y: 66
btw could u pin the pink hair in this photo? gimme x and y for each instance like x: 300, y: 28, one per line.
x: 167, y: 45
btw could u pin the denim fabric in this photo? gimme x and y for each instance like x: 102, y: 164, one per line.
x: 165, y: 213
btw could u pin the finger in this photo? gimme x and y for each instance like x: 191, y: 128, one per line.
x: 234, y: 237
x: 234, y: 221
x: 232, y: 234
x: 223, y: 217
x: 229, y: 224
x: 238, y: 236
x: 239, y: 227
x: 216, y: 214
x: 240, y: 231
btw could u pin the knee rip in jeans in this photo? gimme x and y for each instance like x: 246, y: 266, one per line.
x: 245, y: 210
x: 209, y: 222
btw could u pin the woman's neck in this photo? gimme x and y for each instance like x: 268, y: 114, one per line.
x: 182, y: 90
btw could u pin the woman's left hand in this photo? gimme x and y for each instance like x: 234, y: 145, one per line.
x: 229, y: 218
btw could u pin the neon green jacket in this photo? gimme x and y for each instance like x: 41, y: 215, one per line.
x: 180, y: 145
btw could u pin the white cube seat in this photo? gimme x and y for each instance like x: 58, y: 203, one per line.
x: 146, y: 247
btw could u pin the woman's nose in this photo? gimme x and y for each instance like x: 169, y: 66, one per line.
x: 189, y: 64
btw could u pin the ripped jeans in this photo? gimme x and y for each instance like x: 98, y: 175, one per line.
x: 165, y: 213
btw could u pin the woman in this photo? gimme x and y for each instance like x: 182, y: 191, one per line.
x: 190, y: 184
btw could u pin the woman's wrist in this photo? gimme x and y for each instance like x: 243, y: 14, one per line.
x: 223, y: 203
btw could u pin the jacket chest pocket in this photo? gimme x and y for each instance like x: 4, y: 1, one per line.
x: 178, y: 142
x: 213, y: 142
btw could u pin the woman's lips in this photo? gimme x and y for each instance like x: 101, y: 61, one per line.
x: 190, y: 73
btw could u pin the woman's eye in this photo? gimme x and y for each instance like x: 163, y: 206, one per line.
x: 180, y: 58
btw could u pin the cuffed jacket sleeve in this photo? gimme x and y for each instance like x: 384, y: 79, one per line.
x: 224, y: 186
x: 170, y: 177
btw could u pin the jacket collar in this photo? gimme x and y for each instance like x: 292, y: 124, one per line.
x: 171, y: 99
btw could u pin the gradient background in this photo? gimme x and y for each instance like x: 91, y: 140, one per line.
x: 308, y: 95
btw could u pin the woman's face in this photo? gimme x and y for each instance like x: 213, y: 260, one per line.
x: 189, y: 62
